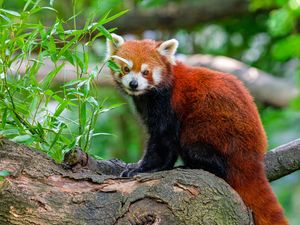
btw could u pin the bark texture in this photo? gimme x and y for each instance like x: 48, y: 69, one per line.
x: 40, y: 191
x: 87, y: 191
x: 283, y: 160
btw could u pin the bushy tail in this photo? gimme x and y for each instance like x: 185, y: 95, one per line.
x: 257, y: 194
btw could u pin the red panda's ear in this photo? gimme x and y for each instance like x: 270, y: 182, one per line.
x: 113, y: 45
x: 168, y: 49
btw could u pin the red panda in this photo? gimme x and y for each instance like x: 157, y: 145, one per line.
x: 206, y: 117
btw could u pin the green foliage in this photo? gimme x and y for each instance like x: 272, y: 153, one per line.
x: 258, y: 4
x: 32, y: 112
x: 115, y: 67
x: 287, y: 47
x: 281, y: 22
x: 126, y: 139
x: 3, y: 174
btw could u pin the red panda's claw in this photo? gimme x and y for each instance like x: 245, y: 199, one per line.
x: 129, y: 173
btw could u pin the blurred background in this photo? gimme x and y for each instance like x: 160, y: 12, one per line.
x: 264, y: 34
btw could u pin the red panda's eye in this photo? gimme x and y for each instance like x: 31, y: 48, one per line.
x: 126, y: 69
x: 145, y: 72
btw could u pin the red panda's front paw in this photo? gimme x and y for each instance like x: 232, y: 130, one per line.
x: 129, y: 173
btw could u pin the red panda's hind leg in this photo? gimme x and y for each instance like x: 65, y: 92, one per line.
x: 204, y: 156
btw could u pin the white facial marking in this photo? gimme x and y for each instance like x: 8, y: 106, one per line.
x: 156, y: 75
x: 144, y: 67
x: 142, y: 83
x: 128, y: 62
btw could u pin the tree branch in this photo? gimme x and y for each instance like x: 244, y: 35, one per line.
x: 279, y: 162
x: 38, y: 191
x: 283, y: 160
x: 173, y: 16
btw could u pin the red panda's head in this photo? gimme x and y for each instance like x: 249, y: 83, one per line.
x: 144, y: 64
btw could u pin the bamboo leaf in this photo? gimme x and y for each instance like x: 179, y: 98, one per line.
x: 56, y: 137
x: 102, y: 134
x: 10, y: 12
x: 92, y: 101
x: 24, y: 139
x: 114, y: 66
x: 60, y: 108
x: 4, y: 117
x: 4, y: 173
x: 104, y: 31
x: 68, y: 45
x: 49, y: 8
x: 49, y: 78
x: 5, y: 18
x: 115, y: 16
x: 73, y: 82
x: 82, y: 119
x: 27, y: 4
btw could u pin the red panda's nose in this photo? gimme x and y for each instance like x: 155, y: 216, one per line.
x: 133, y: 84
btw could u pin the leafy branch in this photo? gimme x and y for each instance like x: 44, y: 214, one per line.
x: 32, y: 111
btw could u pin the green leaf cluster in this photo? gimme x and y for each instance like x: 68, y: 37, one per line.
x: 282, y: 24
x: 3, y: 174
x: 32, y: 112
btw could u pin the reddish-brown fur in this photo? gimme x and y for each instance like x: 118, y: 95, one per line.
x: 216, y: 108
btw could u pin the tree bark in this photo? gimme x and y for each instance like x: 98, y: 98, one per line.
x: 40, y: 191
x: 87, y: 191
x: 283, y: 160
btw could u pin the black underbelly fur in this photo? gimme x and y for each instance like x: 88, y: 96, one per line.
x: 164, y: 146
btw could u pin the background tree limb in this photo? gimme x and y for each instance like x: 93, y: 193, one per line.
x: 283, y: 160
x: 175, y: 16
